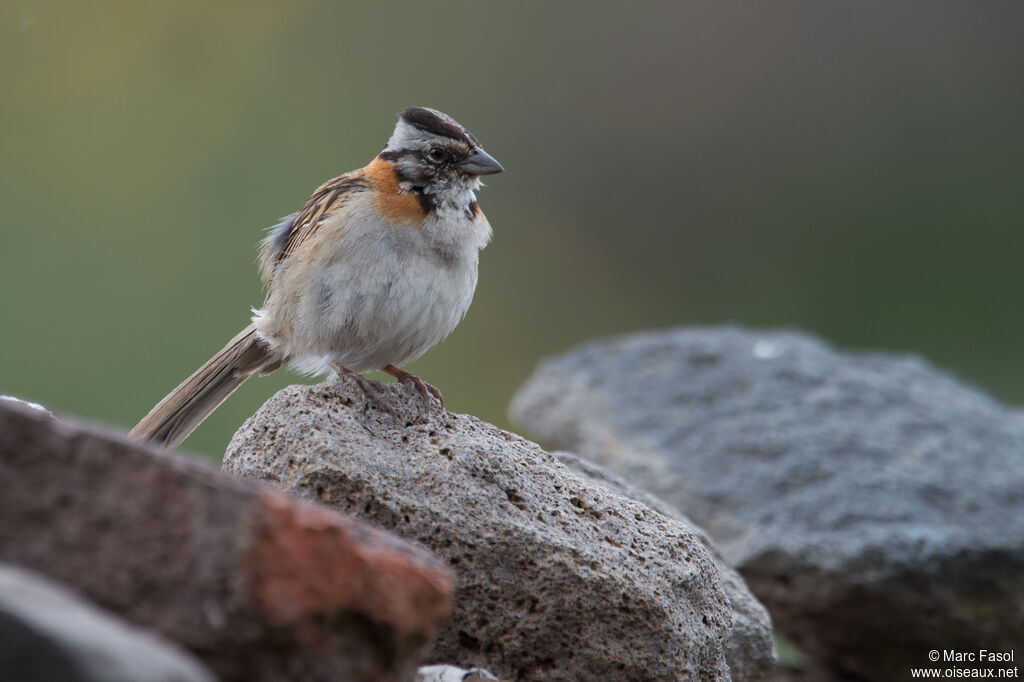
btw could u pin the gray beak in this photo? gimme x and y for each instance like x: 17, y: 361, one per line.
x: 480, y: 163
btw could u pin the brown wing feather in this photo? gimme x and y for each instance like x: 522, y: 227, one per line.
x: 325, y: 199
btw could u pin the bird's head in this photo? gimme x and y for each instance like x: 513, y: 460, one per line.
x: 437, y: 157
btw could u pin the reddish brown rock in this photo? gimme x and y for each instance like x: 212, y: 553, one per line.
x: 369, y: 571
x: 261, y: 586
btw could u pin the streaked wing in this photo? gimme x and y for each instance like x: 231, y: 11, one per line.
x: 329, y: 196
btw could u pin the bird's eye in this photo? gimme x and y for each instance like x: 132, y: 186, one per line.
x: 437, y: 154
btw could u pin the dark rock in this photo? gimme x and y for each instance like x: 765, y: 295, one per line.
x: 261, y: 586
x: 50, y: 634
x: 559, y: 579
x: 873, y: 503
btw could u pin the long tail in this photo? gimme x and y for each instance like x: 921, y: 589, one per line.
x: 185, y: 408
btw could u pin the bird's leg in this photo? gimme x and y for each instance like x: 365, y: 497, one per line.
x: 370, y: 389
x: 413, y: 382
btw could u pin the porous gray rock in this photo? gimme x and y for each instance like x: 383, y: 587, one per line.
x: 50, y: 634
x: 750, y: 645
x: 873, y: 503
x: 558, y: 578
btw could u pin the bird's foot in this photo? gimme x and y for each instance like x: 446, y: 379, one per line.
x: 414, y: 383
x: 374, y: 390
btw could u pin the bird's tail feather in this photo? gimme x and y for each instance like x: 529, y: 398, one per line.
x: 184, y: 408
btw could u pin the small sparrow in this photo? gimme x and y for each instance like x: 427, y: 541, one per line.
x: 378, y: 266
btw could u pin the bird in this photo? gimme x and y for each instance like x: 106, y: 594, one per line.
x: 378, y: 266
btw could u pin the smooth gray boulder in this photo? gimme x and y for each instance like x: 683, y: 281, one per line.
x: 873, y: 503
x: 50, y: 634
x: 558, y: 578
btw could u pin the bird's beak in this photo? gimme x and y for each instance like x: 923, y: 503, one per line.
x: 480, y: 163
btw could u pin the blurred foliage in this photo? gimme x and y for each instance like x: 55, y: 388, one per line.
x: 853, y: 169
x: 789, y: 655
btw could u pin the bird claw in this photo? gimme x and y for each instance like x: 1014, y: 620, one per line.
x: 371, y: 389
x: 426, y: 391
x: 412, y: 383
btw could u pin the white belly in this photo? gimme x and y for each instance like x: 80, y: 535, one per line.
x: 370, y: 297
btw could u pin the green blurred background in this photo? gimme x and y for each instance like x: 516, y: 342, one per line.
x: 853, y: 169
